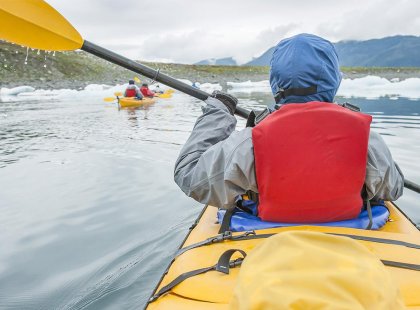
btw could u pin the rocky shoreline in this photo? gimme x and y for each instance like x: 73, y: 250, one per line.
x: 75, y: 70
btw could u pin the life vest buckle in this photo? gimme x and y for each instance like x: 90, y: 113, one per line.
x: 262, y: 115
x: 249, y: 233
x: 350, y: 106
x: 235, y: 263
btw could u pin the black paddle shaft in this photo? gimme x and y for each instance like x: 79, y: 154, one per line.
x: 411, y: 185
x: 151, y: 73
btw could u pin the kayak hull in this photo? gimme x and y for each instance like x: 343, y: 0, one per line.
x: 128, y: 102
x: 212, y: 290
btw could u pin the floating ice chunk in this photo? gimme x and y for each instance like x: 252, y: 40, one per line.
x: 248, y: 86
x: 370, y: 87
x: 209, y: 87
x: 185, y: 81
x: 16, y: 90
x: 373, y: 87
x: 97, y: 87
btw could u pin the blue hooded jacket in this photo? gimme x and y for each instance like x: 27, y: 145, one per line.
x: 303, y: 61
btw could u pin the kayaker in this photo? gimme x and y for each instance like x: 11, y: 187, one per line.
x: 146, y: 91
x: 132, y: 90
x: 306, y: 161
x: 157, y: 90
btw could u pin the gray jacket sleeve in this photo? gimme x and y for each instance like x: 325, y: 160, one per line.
x: 384, y: 179
x: 217, y: 163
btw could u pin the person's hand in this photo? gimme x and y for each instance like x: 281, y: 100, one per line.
x: 229, y: 101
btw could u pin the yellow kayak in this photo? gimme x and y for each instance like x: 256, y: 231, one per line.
x: 127, y: 102
x: 214, y: 290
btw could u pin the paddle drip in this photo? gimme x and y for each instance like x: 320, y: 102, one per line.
x: 27, y: 53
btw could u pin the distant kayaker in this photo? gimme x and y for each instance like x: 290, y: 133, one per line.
x: 157, y: 90
x: 132, y: 90
x: 306, y: 162
x: 146, y: 91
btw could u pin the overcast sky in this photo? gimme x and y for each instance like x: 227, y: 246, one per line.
x: 188, y: 31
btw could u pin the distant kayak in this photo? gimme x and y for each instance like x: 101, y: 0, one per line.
x: 126, y: 102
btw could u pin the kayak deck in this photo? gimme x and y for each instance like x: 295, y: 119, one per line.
x: 126, y: 102
x: 213, y: 290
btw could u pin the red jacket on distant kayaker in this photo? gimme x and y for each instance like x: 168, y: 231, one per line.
x: 146, y: 91
x: 132, y: 90
x: 309, y: 161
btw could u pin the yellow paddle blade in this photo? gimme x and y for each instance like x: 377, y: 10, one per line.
x: 118, y: 94
x: 35, y: 24
x: 169, y: 91
x: 137, y: 80
x: 110, y: 99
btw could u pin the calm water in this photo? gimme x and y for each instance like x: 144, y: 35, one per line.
x: 90, y: 214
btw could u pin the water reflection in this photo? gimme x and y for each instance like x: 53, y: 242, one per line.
x: 132, y: 116
x: 387, y: 106
x: 133, y: 113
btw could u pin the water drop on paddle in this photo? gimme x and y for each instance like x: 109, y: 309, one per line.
x: 45, y: 60
x: 38, y: 52
x: 26, y: 58
x: 54, y: 53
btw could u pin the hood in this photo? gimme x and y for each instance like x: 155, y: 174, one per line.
x: 303, y: 61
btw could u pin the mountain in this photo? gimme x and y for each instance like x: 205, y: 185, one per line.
x: 263, y: 60
x: 228, y: 61
x: 396, y: 51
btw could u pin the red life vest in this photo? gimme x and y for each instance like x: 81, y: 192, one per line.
x: 310, y: 163
x: 146, y: 92
x: 130, y: 92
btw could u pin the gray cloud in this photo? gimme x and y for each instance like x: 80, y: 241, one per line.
x: 375, y: 20
x: 188, y: 31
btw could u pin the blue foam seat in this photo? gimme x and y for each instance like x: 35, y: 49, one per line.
x: 243, y: 221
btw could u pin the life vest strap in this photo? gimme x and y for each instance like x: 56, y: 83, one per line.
x: 226, y: 220
x: 369, y: 210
